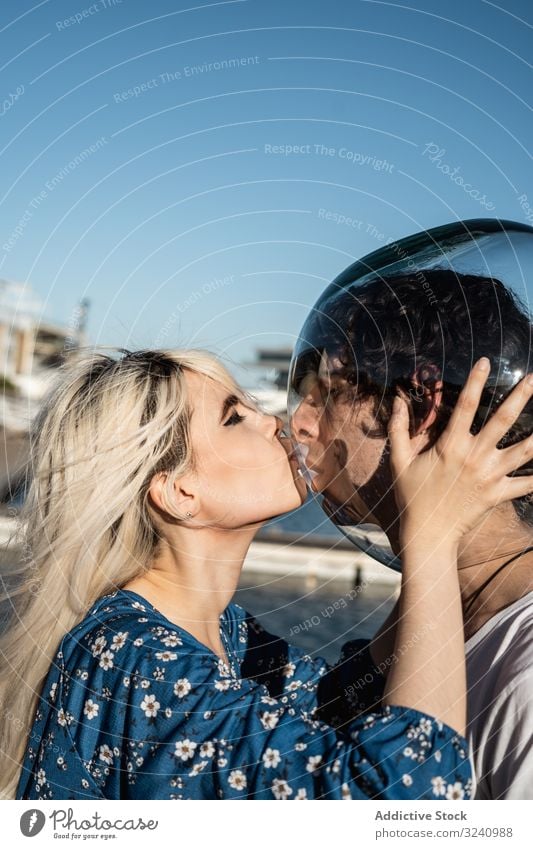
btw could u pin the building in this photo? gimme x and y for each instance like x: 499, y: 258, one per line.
x: 31, y: 347
x: 271, y: 387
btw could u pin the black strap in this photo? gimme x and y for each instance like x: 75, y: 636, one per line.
x: 489, y: 579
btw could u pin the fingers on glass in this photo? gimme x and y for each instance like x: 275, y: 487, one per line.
x: 467, y: 404
x: 508, y: 411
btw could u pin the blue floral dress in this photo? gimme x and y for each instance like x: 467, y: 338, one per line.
x: 134, y: 707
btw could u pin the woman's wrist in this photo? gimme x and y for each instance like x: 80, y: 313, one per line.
x: 419, y: 539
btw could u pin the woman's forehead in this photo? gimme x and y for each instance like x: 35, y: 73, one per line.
x: 206, y: 394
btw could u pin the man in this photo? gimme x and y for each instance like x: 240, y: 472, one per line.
x: 370, y: 343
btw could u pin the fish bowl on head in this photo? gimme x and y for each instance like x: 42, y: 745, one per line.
x: 409, y: 319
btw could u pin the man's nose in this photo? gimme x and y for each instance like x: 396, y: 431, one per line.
x: 304, y: 422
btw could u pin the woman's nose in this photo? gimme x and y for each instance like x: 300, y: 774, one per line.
x: 278, y: 424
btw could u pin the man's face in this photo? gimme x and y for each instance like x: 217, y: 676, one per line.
x: 347, y: 465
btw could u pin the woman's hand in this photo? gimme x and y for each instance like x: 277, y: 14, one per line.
x: 448, y: 488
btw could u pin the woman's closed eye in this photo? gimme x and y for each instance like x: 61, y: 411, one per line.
x: 234, y: 419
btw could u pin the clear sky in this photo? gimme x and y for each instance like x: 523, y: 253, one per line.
x: 201, y: 171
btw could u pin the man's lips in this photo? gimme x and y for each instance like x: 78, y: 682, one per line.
x: 299, y: 454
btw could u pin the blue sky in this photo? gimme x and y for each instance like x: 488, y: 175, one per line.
x: 201, y: 171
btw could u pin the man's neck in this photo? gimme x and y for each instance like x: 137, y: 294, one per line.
x: 487, y: 584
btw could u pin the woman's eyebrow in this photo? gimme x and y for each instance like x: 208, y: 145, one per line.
x: 229, y: 402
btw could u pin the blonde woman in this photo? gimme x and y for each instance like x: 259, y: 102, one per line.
x: 122, y: 667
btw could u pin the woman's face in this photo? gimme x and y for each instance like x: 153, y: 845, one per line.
x: 244, y: 473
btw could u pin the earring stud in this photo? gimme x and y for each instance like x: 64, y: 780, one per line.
x: 188, y: 514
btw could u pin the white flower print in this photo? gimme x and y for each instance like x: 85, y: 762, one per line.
x: 91, y: 709
x: 312, y: 762
x: 145, y: 683
x: 119, y: 640
x: 52, y: 694
x: 207, y: 750
x: 301, y: 794
x: 126, y: 680
x: 438, y: 755
x: 439, y: 786
x: 197, y: 768
x: 269, y: 720
x: 171, y: 640
x: 346, y: 791
x: 455, y: 791
x: 106, y: 754
x: 426, y: 726
x: 294, y: 685
x: 84, y: 783
x: 168, y: 712
x: 61, y: 717
x: 408, y: 752
x: 222, y: 762
x: 288, y: 670
x: 271, y: 757
x: 407, y: 779
x: 166, y: 656
x: 150, y: 705
x: 223, y: 668
x: 138, y: 641
x: 98, y: 646
x: 185, y: 749
x: 237, y: 779
x: 41, y: 776
x: 281, y: 789
x: 299, y: 747
x: 106, y: 660
x: 182, y: 687
x: 223, y: 685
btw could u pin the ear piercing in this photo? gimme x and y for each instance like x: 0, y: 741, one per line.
x: 188, y: 514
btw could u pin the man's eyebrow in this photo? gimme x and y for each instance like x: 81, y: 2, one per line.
x: 229, y: 402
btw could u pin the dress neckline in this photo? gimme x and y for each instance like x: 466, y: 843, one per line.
x: 181, y: 630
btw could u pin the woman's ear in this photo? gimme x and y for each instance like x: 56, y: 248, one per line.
x: 180, y: 503
x: 427, y: 389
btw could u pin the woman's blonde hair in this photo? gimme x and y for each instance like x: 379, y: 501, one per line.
x: 104, y: 429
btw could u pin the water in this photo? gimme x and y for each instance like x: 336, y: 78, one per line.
x: 335, y: 611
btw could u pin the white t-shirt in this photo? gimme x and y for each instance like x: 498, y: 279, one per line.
x: 499, y: 669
